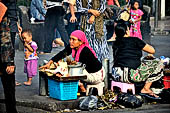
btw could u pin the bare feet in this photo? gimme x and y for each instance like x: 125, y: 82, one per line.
x: 17, y: 83
x: 59, y: 41
x: 82, y: 88
x: 149, y: 92
x: 146, y: 91
x: 27, y: 83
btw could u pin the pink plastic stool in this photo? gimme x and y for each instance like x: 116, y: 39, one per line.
x: 124, y: 86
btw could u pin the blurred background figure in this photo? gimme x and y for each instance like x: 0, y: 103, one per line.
x: 72, y: 17
x: 54, y: 19
x: 37, y: 10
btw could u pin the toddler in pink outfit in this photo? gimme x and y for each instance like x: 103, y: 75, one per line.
x: 31, y: 57
x: 136, y: 16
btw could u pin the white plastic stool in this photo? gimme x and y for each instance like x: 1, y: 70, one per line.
x: 124, y: 86
x: 99, y: 87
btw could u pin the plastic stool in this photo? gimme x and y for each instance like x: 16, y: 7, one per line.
x: 99, y: 87
x: 124, y: 86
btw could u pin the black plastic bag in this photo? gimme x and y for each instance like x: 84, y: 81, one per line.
x: 165, y: 94
x: 129, y: 100
x: 88, y: 102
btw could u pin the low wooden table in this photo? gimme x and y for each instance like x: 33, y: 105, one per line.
x: 71, y: 78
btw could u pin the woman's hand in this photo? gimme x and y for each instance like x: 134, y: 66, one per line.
x: 96, y: 13
x: 91, y: 20
x: 73, y: 19
x: 10, y: 69
x: 46, y: 66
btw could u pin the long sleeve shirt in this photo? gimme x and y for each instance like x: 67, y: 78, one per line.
x: 84, y: 10
x: 86, y: 57
x: 6, y: 48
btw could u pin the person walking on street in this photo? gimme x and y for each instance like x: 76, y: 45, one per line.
x: 13, y: 24
x: 72, y: 17
x: 7, y: 65
x: 54, y: 19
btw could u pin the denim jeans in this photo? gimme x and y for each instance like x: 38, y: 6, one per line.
x: 54, y: 20
x: 72, y: 26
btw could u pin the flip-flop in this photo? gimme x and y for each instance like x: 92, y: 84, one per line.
x: 151, y: 96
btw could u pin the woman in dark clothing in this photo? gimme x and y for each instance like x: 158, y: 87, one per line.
x: 127, y: 61
x: 7, y: 66
x: 81, y: 52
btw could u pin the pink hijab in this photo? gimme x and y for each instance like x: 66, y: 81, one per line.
x: 81, y: 36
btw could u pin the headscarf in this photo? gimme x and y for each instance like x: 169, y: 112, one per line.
x: 81, y: 36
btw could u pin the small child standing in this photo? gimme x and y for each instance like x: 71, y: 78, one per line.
x: 31, y: 57
x: 136, y: 16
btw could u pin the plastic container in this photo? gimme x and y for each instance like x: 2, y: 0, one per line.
x: 63, y: 90
x: 124, y: 86
x: 166, y: 82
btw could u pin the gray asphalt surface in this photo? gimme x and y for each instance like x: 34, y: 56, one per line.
x: 29, y: 101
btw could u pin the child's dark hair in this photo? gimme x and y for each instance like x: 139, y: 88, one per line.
x: 132, y: 5
x: 120, y: 29
x: 28, y: 31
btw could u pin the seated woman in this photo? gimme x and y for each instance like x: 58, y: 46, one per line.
x: 81, y: 52
x: 127, y: 61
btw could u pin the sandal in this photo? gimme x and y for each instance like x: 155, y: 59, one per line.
x: 150, y: 95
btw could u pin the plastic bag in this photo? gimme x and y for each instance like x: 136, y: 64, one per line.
x: 129, y: 100
x: 88, y: 102
x: 165, y: 96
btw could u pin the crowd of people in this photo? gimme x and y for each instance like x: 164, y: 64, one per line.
x: 84, y: 38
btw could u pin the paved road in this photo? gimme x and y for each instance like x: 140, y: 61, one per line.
x: 157, y: 108
x: 30, y: 94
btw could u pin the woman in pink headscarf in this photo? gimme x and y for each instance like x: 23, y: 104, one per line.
x: 81, y: 52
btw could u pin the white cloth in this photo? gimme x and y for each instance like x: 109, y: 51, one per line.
x: 53, y: 4
x: 95, y: 78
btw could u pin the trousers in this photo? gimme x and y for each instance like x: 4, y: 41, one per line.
x: 8, y: 82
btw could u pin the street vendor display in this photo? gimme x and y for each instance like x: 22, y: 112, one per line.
x: 127, y: 61
x: 81, y: 52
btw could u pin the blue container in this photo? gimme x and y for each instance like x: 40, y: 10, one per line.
x: 63, y: 90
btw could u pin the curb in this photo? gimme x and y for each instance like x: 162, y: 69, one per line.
x: 159, y: 32
x: 47, y: 106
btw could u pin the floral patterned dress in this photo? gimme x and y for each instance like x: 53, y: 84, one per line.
x: 100, y: 46
x: 135, y: 28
